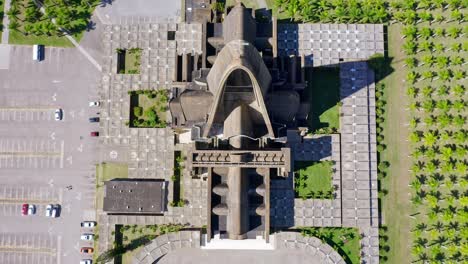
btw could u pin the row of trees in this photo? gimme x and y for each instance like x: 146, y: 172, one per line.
x: 339, y: 11
x: 58, y: 16
x: 438, y: 134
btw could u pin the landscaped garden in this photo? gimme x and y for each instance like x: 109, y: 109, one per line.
x: 129, y: 238
x: 344, y: 240
x: 177, y: 181
x: 29, y: 25
x: 324, y: 93
x: 313, y: 179
x: 436, y: 49
x: 432, y: 35
x: 129, y: 61
x: 148, y: 108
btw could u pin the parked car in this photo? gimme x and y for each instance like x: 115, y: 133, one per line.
x: 58, y: 114
x: 94, y: 119
x: 48, y: 211
x: 24, y: 209
x: 87, y: 250
x: 38, y: 52
x: 88, y: 224
x: 86, y: 261
x: 87, y: 237
x: 94, y: 104
x: 31, y: 209
x: 56, y: 210
x: 95, y: 134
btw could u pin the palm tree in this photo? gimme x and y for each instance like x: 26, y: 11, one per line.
x: 428, y: 59
x: 458, y: 90
x: 442, y: 61
x: 443, y: 105
x: 439, y: 32
x: 454, y: 4
x: 439, y: 18
x: 444, y: 74
x: 410, y: 47
x: 429, y: 138
x: 444, y: 120
x: 459, y: 105
x: 443, y: 90
x: 410, y: 62
x: 409, y: 32
x: 439, y: 47
x: 427, y: 91
x: 14, y: 25
x: 425, y: 33
x: 13, y: 13
x: 428, y: 75
x: 412, y: 76
x: 459, y: 74
x: 426, y: 46
x: 454, y: 32
x: 456, y: 15
x: 439, y: 4
x: 457, y: 60
x: 426, y: 17
x: 459, y: 121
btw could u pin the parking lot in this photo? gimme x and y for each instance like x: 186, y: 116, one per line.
x: 28, y: 248
x: 40, y: 157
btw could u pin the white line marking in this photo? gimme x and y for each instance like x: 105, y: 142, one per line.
x: 62, y: 153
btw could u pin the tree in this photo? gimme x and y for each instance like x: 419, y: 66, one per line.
x: 428, y: 59
x: 458, y: 90
x: 14, y: 25
x: 459, y: 74
x: 454, y: 32
x: 410, y: 62
x: 429, y: 138
x: 425, y: 33
x: 409, y: 32
x: 456, y: 15
x: 426, y: 46
x: 442, y: 61
x: 456, y: 60
x: 444, y: 74
x: 411, y: 77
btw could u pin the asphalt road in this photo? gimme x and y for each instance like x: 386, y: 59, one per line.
x: 39, y: 156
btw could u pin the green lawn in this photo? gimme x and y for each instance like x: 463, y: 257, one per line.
x: 19, y: 39
x: 133, y: 237
x: 106, y: 172
x: 132, y: 61
x: 324, y: 93
x: 343, y: 239
x: 395, y: 205
x: 313, y: 179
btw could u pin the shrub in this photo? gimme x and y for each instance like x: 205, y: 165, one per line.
x: 137, y: 111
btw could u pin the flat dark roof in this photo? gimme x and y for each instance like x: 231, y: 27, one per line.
x: 134, y: 196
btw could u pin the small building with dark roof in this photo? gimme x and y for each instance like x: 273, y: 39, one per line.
x: 134, y: 196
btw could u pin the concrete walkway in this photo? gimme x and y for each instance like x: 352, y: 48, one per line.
x: 6, y: 22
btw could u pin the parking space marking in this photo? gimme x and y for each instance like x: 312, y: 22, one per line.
x: 34, y: 153
x: 17, y: 114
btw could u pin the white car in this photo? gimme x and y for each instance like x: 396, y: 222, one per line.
x: 31, y: 209
x: 86, y: 261
x: 48, y: 211
x: 58, y: 114
x: 93, y: 104
x: 87, y: 237
x: 88, y: 224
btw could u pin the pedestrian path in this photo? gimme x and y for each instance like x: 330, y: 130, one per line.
x: 6, y: 22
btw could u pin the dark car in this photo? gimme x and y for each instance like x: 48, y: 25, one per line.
x: 94, y: 119
x: 95, y: 134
